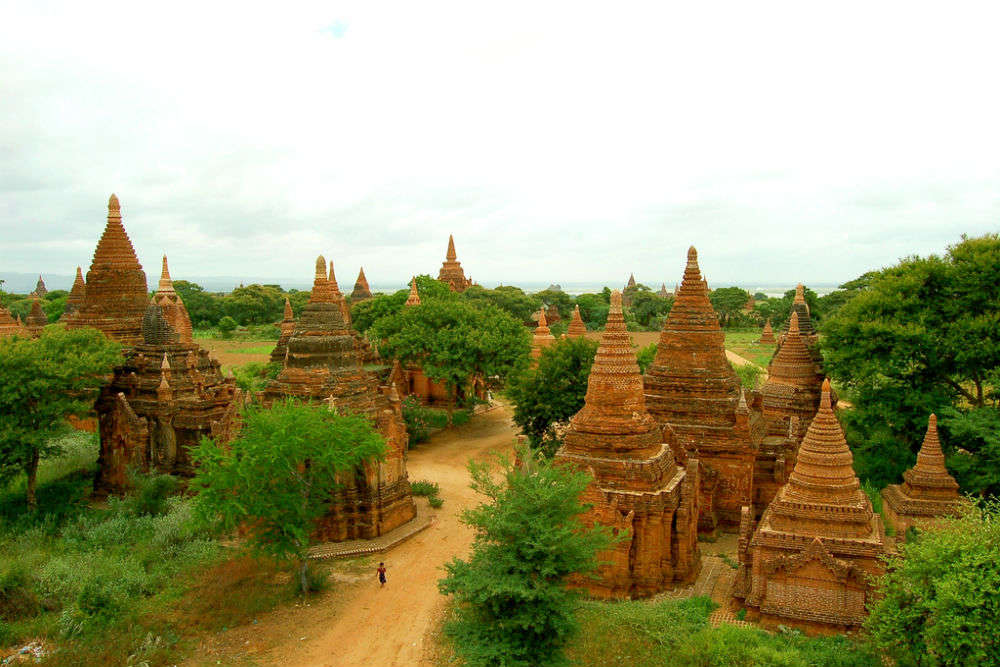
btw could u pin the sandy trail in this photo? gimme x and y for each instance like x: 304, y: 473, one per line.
x: 368, y: 625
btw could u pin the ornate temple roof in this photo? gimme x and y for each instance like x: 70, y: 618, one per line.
x: 414, y: 298
x: 77, y: 295
x: 156, y: 329
x: 929, y: 477
x: 793, y: 364
x: 173, y: 306
x: 451, y: 270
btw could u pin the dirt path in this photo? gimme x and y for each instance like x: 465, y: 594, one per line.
x: 365, y: 625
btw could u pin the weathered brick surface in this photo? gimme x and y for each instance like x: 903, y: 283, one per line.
x: 691, y: 388
x: 638, y: 488
x: 767, y: 334
x: 323, y: 363
x: 172, y: 304
x: 808, y: 562
x: 362, y: 292
x: 115, y: 297
x: 287, y: 326
x: 77, y: 293
x: 577, y: 328
x: 928, y: 491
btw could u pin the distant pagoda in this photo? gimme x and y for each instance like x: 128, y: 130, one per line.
x: 116, y: 298
x: 361, y: 290
x: 542, y: 337
x: 36, y: 319
x: 451, y: 270
x: 638, y: 489
x: 928, y: 491
x: 40, y: 289
x: 287, y: 326
x: 8, y: 325
x: 173, y: 306
x: 576, y: 328
x: 767, y: 334
x: 414, y: 297
x: 76, y: 298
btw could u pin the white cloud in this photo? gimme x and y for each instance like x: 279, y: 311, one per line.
x: 563, y: 142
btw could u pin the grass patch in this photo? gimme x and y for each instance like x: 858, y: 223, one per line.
x: 744, y: 343
x: 677, y: 633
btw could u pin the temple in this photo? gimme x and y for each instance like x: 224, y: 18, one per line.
x: 323, y: 364
x: 928, y: 491
x: 8, y: 325
x: 789, y: 400
x: 767, y: 334
x: 40, y: 289
x: 77, y: 295
x: 36, y: 319
x: 691, y: 388
x: 414, y: 298
x: 361, y: 290
x: 161, y: 401
x: 542, y: 337
x: 576, y: 328
x: 810, y: 561
x: 451, y: 270
x: 173, y: 307
x: 629, y: 290
x: 287, y: 326
x: 115, y: 299
x: 638, y: 490
x: 663, y: 293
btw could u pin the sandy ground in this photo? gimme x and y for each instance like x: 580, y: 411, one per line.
x: 360, y: 623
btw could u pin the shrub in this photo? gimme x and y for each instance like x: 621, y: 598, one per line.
x: 17, y: 599
x: 645, y: 357
x: 254, y: 376
x: 421, y: 420
x: 227, y: 326
x: 749, y: 375
x: 435, y: 502
x: 424, y: 488
x: 151, y: 493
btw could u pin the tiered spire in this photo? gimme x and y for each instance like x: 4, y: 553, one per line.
x: 576, y: 326
x: 40, y: 289
x: 613, y: 419
x: 451, y: 255
x: 115, y: 296
x: 36, y: 319
x: 77, y: 296
x: 322, y: 291
x: 543, y: 336
x: 322, y: 336
x: 793, y: 364
x: 800, y: 306
x: 929, y: 478
x: 361, y: 290
x: 767, y: 335
x: 8, y: 325
x: 451, y: 270
x: 172, y: 304
x: 414, y: 298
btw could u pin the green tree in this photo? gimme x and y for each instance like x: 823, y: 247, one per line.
x: 365, y: 313
x: 277, y: 477
x: 511, y: 299
x: 923, y: 336
x: 779, y: 310
x: 202, y: 306
x: 648, y: 308
x: 54, y: 306
x: 549, y: 394
x: 454, y: 341
x: 645, y: 356
x: 563, y: 302
x: 940, y: 598
x: 42, y: 382
x: 594, y: 309
x: 728, y: 303
x: 227, y: 326
x: 255, y: 304
x: 513, y: 604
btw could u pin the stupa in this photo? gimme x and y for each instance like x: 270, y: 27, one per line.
x: 414, y: 298
x: 159, y: 404
x: 789, y: 400
x: 638, y: 488
x: 663, y: 293
x: 323, y: 364
x: 629, y: 290
x: 808, y: 563
x: 287, y: 326
x: 576, y: 327
x: 40, y: 289
x: 77, y: 295
x: 172, y: 304
x: 8, y: 325
x: 36, y: 319
x: 451, y: 270
x: 542, y: 337
x: 361, y: 290
x: 691, y: 388
x: 767, y: 334
x: 928, y: 491
x: 115, y: 299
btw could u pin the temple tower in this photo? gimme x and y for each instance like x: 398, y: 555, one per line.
x: 287, y: 326
x: 691, y: 388
x: 361, y: 290
x: 928, y: 491
x: 8, y: 325
x: 809, y: 562
x: 542, y: 337
x: 115, y: 299
x: 767, y: 335
x: 76, y: 298
x: 638, y: 488
x: 172, y: 304
x: 576, y: 328
x: 451, y: 270
x: 414, y: 298
x: 36, y: 319
x: 40, y: 289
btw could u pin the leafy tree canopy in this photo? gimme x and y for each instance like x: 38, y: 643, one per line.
x: 728, y: 303
x: 549, y: 394
x: 511, y: 299
x: 594, y: 309
x: 564, y: 302
x: 648, y: 308
x: 514, y: 608
x: 42, y: 382
x: 277, y: 477
x: 922, y: 337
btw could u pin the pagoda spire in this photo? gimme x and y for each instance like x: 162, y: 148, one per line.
x: 361, y: 291
x: 793, y: 363
x: 576, y: 326
x: 451, y: 255
x: 288, y: 310
x: 930, y: 474
x: 322, y: 292
x: 414, y: 298
x: 166, y: 285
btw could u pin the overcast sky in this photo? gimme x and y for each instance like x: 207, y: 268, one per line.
x: 568, y: 142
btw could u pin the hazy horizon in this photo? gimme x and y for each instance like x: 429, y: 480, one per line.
x: 559, y: 143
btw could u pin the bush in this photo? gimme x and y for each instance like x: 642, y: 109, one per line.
x: 645, y: 357
x: 151, y: 493
x: 227, y: 326
x: 749, y: 375
x: 254, y: 376
x: 424, y: 488
x: 435, y: 502
x: 17, y: 599
x: 421, y: 420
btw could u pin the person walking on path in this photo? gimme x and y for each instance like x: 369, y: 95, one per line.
x: 381, y: 574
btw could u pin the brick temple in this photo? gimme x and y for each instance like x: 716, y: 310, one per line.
x: 542, y: 337
x: 362, y: 292
x: 77, y: 295
x: 790, y: 397
x: 173, y: 307
x: 808, y: 563
x: 691, y: 388
x: 10, y: 326
x: 323, y: 364
x: 161, y: 401
x: 928, y: 491
x: 36, y: 319
x: 115, y: 298
x: 638, y: 488
x: 767, y: 334
x: 577, y: 329
x: 287, y: 326
x: 451, y: 270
